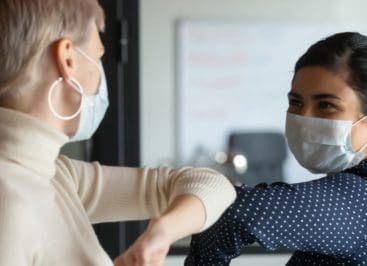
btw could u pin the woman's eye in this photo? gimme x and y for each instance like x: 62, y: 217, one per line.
x: 295, y: 103
x: 326, y: 106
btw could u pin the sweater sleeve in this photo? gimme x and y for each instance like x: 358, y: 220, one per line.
x: 325, y: 216
x: 111, y: 193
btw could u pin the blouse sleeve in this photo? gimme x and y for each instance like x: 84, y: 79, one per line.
x: 326, y: 216
x: 120, y: 193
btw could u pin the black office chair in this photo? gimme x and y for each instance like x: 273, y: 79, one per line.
x: 265, y: 153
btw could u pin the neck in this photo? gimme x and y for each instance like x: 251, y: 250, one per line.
x: 33, y: 105
x: 29, y: 142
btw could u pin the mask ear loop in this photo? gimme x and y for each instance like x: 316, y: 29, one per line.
x: 359, y: 121
x: 99, y: 66
x: 87, y: 56
x: 76, y: 85
x: 356, y: 123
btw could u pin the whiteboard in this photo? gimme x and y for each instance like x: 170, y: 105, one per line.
x: 235, y: 76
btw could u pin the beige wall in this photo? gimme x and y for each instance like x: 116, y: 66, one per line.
x: 158, y: 18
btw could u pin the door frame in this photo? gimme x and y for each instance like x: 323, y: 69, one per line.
x: 117, y: 141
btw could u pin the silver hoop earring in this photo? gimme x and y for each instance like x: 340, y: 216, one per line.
x: 76, y: 85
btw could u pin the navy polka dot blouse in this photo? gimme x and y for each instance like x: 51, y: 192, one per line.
x: 323, y: 220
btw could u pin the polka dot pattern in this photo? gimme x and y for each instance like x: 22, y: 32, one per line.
x: 323, y: 220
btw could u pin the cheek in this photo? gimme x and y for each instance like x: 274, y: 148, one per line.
x: 89, y: 80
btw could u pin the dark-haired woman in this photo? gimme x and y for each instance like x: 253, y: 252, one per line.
x: 324, y: 220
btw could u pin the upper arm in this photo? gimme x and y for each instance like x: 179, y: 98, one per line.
x: 310, y: 216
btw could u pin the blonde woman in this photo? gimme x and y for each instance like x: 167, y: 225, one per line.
x: 53, y: 90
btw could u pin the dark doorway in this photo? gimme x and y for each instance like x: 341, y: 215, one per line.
x: 117, y: 141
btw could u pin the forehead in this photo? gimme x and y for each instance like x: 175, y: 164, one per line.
x: 310, y: 81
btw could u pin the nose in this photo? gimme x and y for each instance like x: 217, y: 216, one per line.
x: 307, y: 112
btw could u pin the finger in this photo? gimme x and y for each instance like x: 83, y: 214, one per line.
x: 155, y: 259
x: 128, y: 259
x: 156, y: 263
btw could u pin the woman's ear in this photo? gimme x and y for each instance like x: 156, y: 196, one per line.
x: 64, y: 57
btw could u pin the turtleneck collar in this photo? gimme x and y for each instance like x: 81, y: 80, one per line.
x: 29, y: 142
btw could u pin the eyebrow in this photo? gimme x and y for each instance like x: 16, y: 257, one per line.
x: 321, y: 96
x: 325, y: 96
x: 294, y: 94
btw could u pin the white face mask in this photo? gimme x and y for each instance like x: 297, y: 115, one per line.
x: 322, y: 145
x: 92, y: 108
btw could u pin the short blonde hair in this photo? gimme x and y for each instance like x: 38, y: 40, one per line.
x: 28, y: 27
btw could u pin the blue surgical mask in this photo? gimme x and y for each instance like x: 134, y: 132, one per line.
x: 322, y: 145
x: 92, y: 108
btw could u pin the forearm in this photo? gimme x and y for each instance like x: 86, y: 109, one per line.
x: 184, y: 216
x: 213, y: 190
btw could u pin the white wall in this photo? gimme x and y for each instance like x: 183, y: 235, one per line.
x: 158, y: 18
x: 264, y: 260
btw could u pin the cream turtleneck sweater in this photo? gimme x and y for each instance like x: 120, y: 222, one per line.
x: 48, y: 202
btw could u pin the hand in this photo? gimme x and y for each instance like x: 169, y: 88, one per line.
x: 150, y: 248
